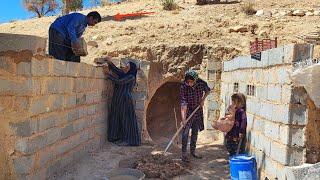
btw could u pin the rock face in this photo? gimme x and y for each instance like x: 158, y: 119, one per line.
x: 239, y: 28
x: 299, y: 13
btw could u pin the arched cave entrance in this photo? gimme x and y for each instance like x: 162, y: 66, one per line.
x: 161, y: 121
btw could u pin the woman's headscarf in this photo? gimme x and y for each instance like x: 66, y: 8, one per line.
x: 133, y: 71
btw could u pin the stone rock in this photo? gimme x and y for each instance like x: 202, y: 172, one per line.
x: 263, y: 33
x: 285, y: 13
x: 299, y: 13
x: 309, y: 13
x: 316, y: 13
x: 238, y: 28
x: 264, y: 13
x: 92, y: 43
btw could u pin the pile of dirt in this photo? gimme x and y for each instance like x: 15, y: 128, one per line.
x: 160, y: 166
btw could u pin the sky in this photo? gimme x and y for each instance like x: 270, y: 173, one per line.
x: 11, y: 10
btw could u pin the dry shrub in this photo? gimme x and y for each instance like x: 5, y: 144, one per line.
x: 41, y: 7
x: 248, y: 8
x: 169, y: 5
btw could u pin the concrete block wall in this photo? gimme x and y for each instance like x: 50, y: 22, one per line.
x: 276, y: 124
x: 52, y: 113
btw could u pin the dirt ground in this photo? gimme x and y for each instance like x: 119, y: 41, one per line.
x: 214, y: 164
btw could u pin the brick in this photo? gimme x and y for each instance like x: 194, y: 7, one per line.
x: 279, y: 153
x: 67, y: 131
x: 72, y: 69
x: 140, y: 105
x: 73, y: 115
x: 274, y: 93
x: 59, y: 68
x: 24, y: 164
x: 298, y: 114
x: 40, y: 67
x: 24, y: 128
x: 39, y: 105
x: 21, y: 103
x: 272, y: 130
x: 292, y: 136
x: 70, y: 100
x: 276, y: 56
x: 24, y: 68
x: 7, y: 64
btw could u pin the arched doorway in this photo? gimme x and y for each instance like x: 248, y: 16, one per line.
x: 161, y: 121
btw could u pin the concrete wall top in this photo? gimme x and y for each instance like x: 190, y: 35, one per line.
x: 282, y: 55
x: 17, y: 42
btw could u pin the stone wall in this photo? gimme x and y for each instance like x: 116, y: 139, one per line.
x: 276, y: 120
x: 51, y: 114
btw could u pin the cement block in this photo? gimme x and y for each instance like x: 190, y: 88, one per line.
x: 303, y: 52
x: 39, y: 105
x: 72, y: 69
x: 84, y: 70
x: 292, y: 136
x: 264, y: 144
x: 274, y: 93
x: 262, y: 92
x: 288, y: 51
x: 24, y: 128
x: 67, y: 131
x: 91, y: 110
x: 40, y: 67
x: 24, y: 69
x: 53, y: 135
x: 298, y: 115
x: 57, y: 102
x: 47, y: 121
x: 99, y: 73
x: 66, y: 85
x: 266, y: 110
x: 29, y: 146
x: 286, y: 94
x: 250, y: 120
x: 90, y: 96
x: 81, y: 98
x: 279, y: 153
x: 70, y: 100
x: 54, y: 85
x: 272, y: 130
x: 81, y: 124
x: 259, y: 125
x: 73, y: 115
x: 26, y: 87
x: 299, y: 96
x: 270, y: 167
x: 58, y: 165
x: 276, y: 56
x: 281, y: 113
x: 264, y: 59
x: 24, y: 164
x: 305, y: 171
x: 59, y: 68
x: 283, y: 75
x: 140, y: 95
x: 140, y: 105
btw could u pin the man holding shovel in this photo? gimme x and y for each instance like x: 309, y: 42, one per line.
x: 193, y: 92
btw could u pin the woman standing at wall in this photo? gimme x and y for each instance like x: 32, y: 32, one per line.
x: 122, y: 121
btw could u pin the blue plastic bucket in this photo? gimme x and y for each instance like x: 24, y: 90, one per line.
x: 243, y: 167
